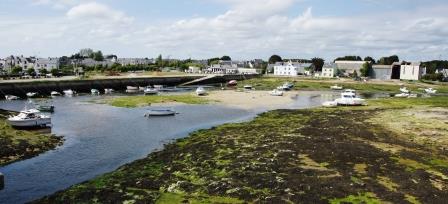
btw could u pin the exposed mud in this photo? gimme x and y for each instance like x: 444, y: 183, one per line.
x: 300, y: 156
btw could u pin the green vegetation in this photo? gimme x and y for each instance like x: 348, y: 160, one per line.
x: 280, y: 157
x: 18, y: 144
x: 136, y: 101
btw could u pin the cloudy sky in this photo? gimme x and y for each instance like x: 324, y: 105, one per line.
x: 243, y: 29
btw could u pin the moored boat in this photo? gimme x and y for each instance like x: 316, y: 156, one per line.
x: 276, y: 92
x: 108, y: 91
x: 430, y: 91
x: 200, y: 91
x: 31, y: 94
x: 132, y: 88
x: 150, y: 91
x: 248, y: 87
x: 349, y: 98
x: 232, y: 83
x: 160, y: 112
x: 402, y: 95
x: 29, y: 118
x: 95, y: 91
x: 11, y: 97
x: 69, y: 92
x: 43, y: 108
x: 404, y: 90
x: 336, y: 87
x: 55, y: 93
x: 330, y: 104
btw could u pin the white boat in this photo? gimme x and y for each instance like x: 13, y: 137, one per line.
x: 95, y: 92
x: 55, y: 93
x: 141, y: 88
x: 412, y: 96
x: 286, y: 86
x: 402, y: 95
x: 200, y: 91
x: 108, y: 91
x: 430, y: 91
x: 349, y: 98
x: 132, y: 88
x: 330, y: 104
x: 404, y: 90
x: 232, y: 83
x: 336, y: 87
x: 276, y: 92
x: 31, y: 94
x: 158, y: 86
x: 11, y: 97
x: 69, y: 92
x: 149, y: 90
x: 29, y: 118
x: 248, y: 87
x: 160, y: 112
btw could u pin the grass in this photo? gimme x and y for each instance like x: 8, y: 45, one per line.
x: 137, y: 101
x: 368, y: 198
x: 20, y: 144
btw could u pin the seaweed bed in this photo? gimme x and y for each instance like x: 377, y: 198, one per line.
x: 282, y: 156
x: 17, y: 145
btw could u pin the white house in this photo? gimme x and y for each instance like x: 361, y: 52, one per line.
x: 412, y: 71
x: 290, y: 68
x: 46, y: 63
x: 328, y: 71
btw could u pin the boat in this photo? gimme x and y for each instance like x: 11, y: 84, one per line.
x: 336, y: 87
x: 95, y: 92
x: 430, y: 91
x: 29, y: 118
x: 55, y: 93
x: 11, y: 97
x: 404, y: 90
x: 160, y: 112
x: 286, y: 86
x: 276, y: 92
x: 159, y: 86
x: 330, y: 104
x: 132, y: 88
x: 200, y: 91
x: 69, y: 92
x: 412, y: 96
x: 248, y: 87
x: 349, y: 98
x: 402, y: 95
x: 31, y: 94
x: 141, y: 88
x: 46, y: 108
x: 108, y: 91
x: 149, y: 90
x: 232, y: 83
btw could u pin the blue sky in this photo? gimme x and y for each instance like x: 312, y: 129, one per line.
x: 243, y: 29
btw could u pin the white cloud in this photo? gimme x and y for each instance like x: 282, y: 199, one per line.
x: 97, y: 11
x: 56, y: 4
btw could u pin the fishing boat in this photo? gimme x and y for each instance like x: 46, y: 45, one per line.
x: 55, y: 93
x: 160, y: 112
x: 276, y: 92
x: 404, y: 90
x: 349, y: 98
x: 232, y: 83
x: 31, y: 94
x: 248, y: 87
x: 150, y: 91
x: 69, y: 92
x: 29, y: 118
x: 43, y: 108
x: 430, y: 91
x: 95, y: 92
x: 11, y: 97
x: 336, y: 87
x: 108, y: 91
x: 200, y: 91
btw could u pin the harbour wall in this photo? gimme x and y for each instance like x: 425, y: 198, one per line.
x: 84, y: 86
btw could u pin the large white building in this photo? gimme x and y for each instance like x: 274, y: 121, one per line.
x: 290, y: 68
x: 412, y: 71
x: 349, y: 67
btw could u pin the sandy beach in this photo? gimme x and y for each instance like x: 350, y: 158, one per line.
x: 251, y: 99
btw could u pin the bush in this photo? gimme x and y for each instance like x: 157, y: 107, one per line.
x: 434, y: 77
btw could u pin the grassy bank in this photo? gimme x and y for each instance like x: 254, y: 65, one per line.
x: 303, y: 156
x: 17, y: 145
x: 269, y: 83
x: 136, y: 101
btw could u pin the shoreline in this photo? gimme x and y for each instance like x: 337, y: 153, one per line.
x: 232, y: 162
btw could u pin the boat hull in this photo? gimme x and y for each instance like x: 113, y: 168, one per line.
x: 158, y: 113
x: 30, y: 123
x: 350, y: 102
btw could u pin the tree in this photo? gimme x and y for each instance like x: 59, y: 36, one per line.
x: 318, y: 63
x: 388, y: 60
x: 86, y: 52
x: 365, y: 69
x: 274, y: 59
x: 16, y: 70
x: 159, y: 61
x: 355, y: 74
x: 369, y: 59
x: 31, y: 71
x: 349, y: 58
x: 54, y: 72
x: 98, y: 56
x: 43, y: 72
x: 226, y: 58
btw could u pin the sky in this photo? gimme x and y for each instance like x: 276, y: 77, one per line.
x: 414, y: 30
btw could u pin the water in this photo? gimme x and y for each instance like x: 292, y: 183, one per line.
x: 100, y: 138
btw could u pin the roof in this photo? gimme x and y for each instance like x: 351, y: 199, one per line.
x: 378, y: 66
x: 351, y: 62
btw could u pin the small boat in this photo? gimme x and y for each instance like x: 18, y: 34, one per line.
x: 430, y: 91
x: 31, y: 94
x: 49, y: 109
x: 108, y: 91
x: 200, y: 91
x: 402, y: 95
x: 11, y: 97
x: 160, y: 112
x: 132, y: 88
x: 141, y: 88
x: 69, y: 92
x: 336, y: 87
x: 286, y: 86
x: 349, y: 98
x: 150, y: 91
x: 412, y: 96
x: 276, y: 92
x: 29, y: 118
x: 55, y: 93
x: 159, y: 86
x: 232, y: 83
x: 330, y: 104
x: 404, y: 90
x: 248, y: 87
x: 95, y: 92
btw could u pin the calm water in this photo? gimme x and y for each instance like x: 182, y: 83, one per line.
x: 100, y: 138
